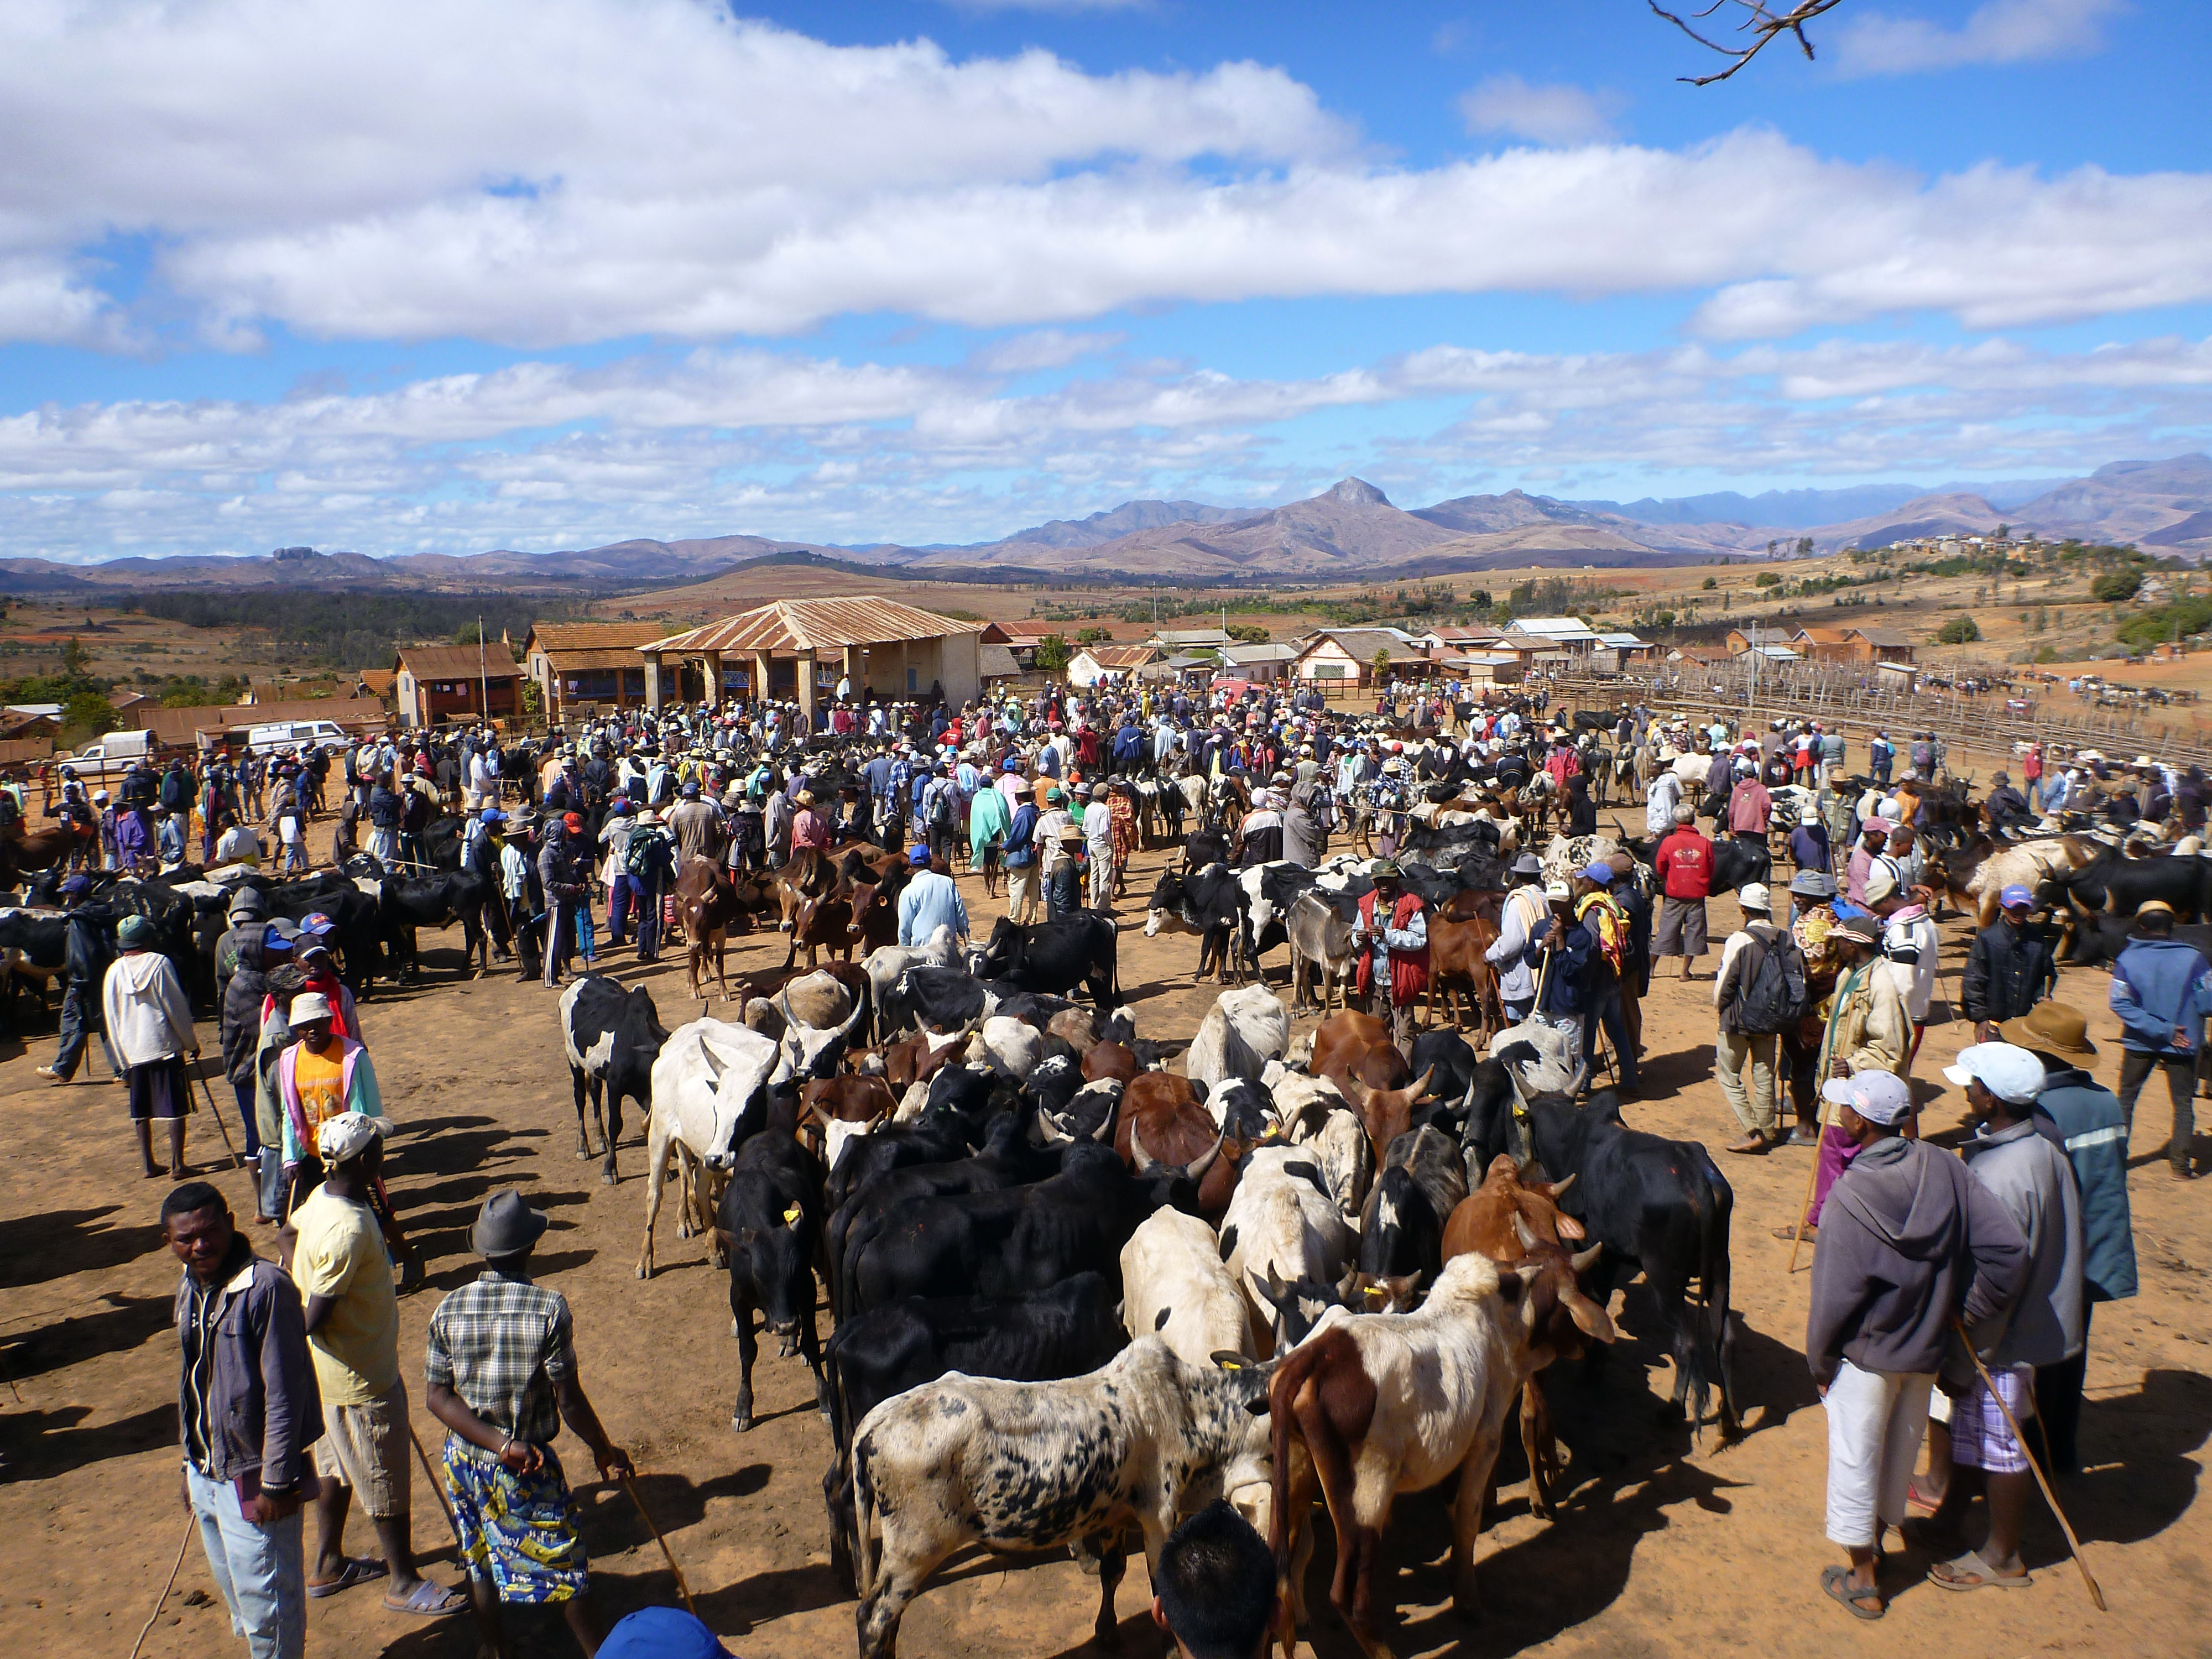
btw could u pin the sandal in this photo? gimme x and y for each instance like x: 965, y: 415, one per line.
x: 1756, y: 1146
x: 1787, y: 1235
x: 1970, y: 1572
x: 357, y: 1571
x: 1918, y: 1502
x: 428, y: 1600
x: 1863, y: 1603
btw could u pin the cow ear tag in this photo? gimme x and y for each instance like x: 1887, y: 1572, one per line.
x: 791, y: 1216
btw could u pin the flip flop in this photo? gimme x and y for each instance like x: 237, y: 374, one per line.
x: 357, y: 1571
x: 1970, y: 1572
x: 1865, y: 1603
x: 428, y: 1601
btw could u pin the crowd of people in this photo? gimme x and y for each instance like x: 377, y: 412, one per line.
x: 1952, y: 1295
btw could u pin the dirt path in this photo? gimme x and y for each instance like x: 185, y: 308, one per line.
x: 1658, y: 1549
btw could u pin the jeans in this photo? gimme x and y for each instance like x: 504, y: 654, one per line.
x: 619, y: 910
x: 1737, y: 1053
x: 649, y: 918
x: 1606, y: 1012
x: 2180, y: 1083
x: 244, y: 1093
x: 80, y: 1015
x: 260, y: 1570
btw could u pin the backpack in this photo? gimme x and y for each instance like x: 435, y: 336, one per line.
x: 641, y: 855
x: 1922, y: 754
x: 1770, y: 997
x: 943, y: 809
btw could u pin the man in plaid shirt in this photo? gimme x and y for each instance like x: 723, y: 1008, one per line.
x: 501, y: 1372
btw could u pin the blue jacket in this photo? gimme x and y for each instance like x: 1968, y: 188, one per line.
x: 1574, y: 966
x: 2082, y: 1119
x: 2159, y: 985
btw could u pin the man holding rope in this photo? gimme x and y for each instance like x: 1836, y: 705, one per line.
x: 501, y: 1375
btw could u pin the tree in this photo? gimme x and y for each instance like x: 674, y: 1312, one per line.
x: 76, y: 661
x: 1804, y: 547
x: 1099, y: 635
x: 2116, y: 587
x: 1381, y: 664
x: 1248, y: 633
x: 1762, y: 21
x: 1961, y: 629
x: 86, y: 715
x: 1052, y: 653
x: 470, y: 634
x: 1766, y: 578
x: 1711, y: 583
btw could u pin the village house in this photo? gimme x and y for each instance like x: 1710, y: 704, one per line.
x: 1349, y: 654
x: 1569, y: 634
x: 596, y: 662
x: 437, y: 684
x: 1109, y: 665
x: 1261, y: 664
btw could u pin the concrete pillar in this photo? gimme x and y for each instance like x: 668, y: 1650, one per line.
x: 653, y: 680
x: 853, y: 669
x: 760, y: 678
x: 806, y: 687
x: 713, y: 679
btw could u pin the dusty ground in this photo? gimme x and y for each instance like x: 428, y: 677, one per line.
x: 1661, y: 1548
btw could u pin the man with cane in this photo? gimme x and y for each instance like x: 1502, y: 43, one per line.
x: 501, y: 1375
x: 1909, y: 1240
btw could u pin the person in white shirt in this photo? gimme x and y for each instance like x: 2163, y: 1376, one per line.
x: 1910, y: 945
x: 1659, y: 803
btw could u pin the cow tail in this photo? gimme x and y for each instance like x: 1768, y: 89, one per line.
x: 866, y: 1550
x: 1283, y: 1388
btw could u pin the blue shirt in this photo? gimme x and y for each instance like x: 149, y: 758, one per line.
x: 931, y: 901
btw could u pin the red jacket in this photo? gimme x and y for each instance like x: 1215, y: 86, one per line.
x: 1409, y: 970
x: 1684, y: 864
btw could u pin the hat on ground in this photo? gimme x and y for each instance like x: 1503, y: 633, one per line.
x: 2013, y: 895
x: 2006, y: 1070
x: 1599, y: 870
x: 506, y: 1225
x: 309, y: 1005
x: 1812, y: 883
x: 136, y: 932
x: 1878, y: 1096
x: 917, y: 856
x: 662, y: 1633
x: 1752, y: 896
x: 2051, y: 1028
x: 348, y: 1134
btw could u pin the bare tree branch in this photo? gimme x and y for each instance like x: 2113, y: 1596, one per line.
x: 1763, y: 20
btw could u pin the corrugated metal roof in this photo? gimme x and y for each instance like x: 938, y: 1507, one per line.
x: 571, y: 661
x: 1881, y: 636
x: 459, y: 662
x: 814, y: 625
x: 558, y: 639
x: 1121, y: 656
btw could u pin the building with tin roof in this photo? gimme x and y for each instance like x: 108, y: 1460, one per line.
x: 800, y: 650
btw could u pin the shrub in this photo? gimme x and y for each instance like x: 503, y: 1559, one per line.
x: 2116, y: 587
x: 1766, y: 578
x: 1961, y: 629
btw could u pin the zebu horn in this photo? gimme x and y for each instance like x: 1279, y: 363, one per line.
x: 1198, y: 1169
x: 1145, y: 1162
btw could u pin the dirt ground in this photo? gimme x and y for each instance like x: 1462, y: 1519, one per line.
x: 1660, y: 1547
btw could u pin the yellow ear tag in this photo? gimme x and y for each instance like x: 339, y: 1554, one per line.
x: 791, y: 1216
x: 1229, y: 1365
x: 1378, y: 1291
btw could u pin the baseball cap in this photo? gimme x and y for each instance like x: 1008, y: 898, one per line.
x: 1881, y: 880
x: 662, y: 1633
x: 348, y: 1134
x: 2011, y: 1073
x: 2013, y: 895
x: 572, y: 820
x: 1558, y: 891
x: 1877, y: 1096
x: 917, y: 856
x: 1862, y: 928
x: 1599, y: 870
x: 1752, y: 896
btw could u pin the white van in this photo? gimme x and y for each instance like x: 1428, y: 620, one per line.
x: 296, y: 735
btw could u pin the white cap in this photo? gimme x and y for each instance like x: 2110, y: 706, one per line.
x: 348, y: 1134
x: 1752, y: 896
x: 2011, y: 1073
x: 1877, y: 1096
x: 309, y: 1005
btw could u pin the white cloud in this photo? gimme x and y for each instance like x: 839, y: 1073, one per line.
x: 1996, y: 31
x: 544, y: 455
x: 1549, y: 114
x: 543, y: 172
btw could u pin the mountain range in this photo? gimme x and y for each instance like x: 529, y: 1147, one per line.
x: 1351, y: 532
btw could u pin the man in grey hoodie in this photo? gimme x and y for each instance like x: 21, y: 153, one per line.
x: 2042, y: 1326
x: 1909, y: 1241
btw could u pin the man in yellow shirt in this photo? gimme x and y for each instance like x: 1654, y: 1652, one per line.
x: 345, y: 1279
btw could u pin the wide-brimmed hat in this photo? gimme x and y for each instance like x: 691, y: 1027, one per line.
x: 506, y: 1225
x: 2051, y: 1028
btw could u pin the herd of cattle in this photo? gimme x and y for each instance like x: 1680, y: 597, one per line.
x: 1074, y: 1293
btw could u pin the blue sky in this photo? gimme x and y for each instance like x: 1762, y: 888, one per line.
x: 447, y: 275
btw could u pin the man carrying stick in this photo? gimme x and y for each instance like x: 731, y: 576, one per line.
x: 501, y: 1375
x: 1911, y: 1241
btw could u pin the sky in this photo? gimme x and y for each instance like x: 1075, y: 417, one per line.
x: 444, y: 276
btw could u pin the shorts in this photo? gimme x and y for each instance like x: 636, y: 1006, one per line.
x: 1979, y: 1437
x: 159, y: 1089
x: 1681, y: 929
x: 365, y: 1447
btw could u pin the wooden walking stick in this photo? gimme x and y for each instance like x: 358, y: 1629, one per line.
x: 192, y: 1525
x: 1805, y: 1204
x: 437, y: 1486
x: 682, y: 1590
x: 236, y: 1162
x: 2035, y: 1468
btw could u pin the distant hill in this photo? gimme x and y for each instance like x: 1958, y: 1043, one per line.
x: 1352, y: 530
